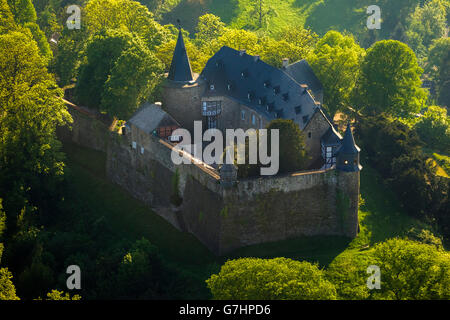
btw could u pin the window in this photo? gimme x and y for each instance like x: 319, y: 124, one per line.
x: 276, y: 90
x: 309, y: 135
x: 142, y: 150
x: 229, y: 87
x: 346, y: 162
x: 134, y: 144
x: 211, y: 87
x: 298, y: 109
x: 243, y: 115
x: 286, y: 96
x: 211, y: 108
x: 253, y: 119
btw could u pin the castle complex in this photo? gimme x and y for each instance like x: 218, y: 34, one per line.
x: 235, y: 90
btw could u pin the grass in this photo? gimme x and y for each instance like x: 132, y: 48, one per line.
x: 381, y: 218
x: 319, y: 15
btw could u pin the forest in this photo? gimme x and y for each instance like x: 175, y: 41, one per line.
x: 58, y: 209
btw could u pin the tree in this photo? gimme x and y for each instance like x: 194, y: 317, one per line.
x: 132, y: 81
x: 23, y: 11
x: 128, y: 14
x: 7, y: 289
x: 31, y: 165
x: 434, y: 128
x: 438, y: 67
x: 261, y: 10
x: 411, y: 271
x: 292, y: 145
x: 426, y: 24
x: 41, y: 40
x: 209, y: 28
x: 389, y: 81
x: 270, y: 279
x: 60, y: 295
x: 336, y: 61
x: 102, y: 51
x: 119, y: 73
x: 6, y: 18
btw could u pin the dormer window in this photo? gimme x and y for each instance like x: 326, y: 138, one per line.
x: 286, y: 96
x: 244, y: 74
x: 298, y: 109
x: 276, y: 90
x: 270, y: 107
x: 266, y: 84
x: 212, y: 87
x: 262, y: 101
x: 229, y: 87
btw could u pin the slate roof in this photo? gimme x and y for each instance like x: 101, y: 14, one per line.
x: 268, y: 90
x: 150, y: 117
x: 332, y: 137
x: 180, y: 69
x: 348, y: 143
x: 302, y: 73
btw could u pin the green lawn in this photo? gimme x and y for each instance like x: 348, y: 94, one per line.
x: 319, y: 15
x: 380, y: 218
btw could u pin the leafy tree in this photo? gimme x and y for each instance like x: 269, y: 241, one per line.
x: 238, y: 40
x: 261, y: 10
x: 270, y: 279
x: 209, y: 28
x: 292, y: 145
x: 7, y: 289
x: 438, y: 67
x: 389, y: 81
x: 127, y: 14
x: 410, y: 271
x: 434, y: 128
x: 132, y: 81
x: 60, y: 295
x: 426, y: 24
x: 41, y: 40
x: 336, y: 61
x: 6, y: 18
x: 31, y: 109
x: 23, y: 11
x: 119, y: 73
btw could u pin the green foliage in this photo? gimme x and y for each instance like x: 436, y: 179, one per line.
x: 31, y: 106
x: 7, y: 289
x: 273, y: 279
x: 291, y: 145
x: 175, y: 197
x: 434, y: 128
x: 6, y: 18
x: 438, y: 67
x: 23, y: 11
x: 336, y: 61
x: 410, y: 271
x: 124, y: 14
x: 426, y: 24
x: 41, y: 40
x: 209, y: 28
x: 60, y: 295
x: 132, y: 81
x: 390, y: 81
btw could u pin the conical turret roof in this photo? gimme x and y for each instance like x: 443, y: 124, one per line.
x: 180, y: 69
x: 348, y: 143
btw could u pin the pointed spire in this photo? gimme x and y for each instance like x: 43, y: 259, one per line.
x: 180, y: 69
x: 348, y: 143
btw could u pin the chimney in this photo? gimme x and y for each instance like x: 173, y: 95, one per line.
x: 242, y: 52
x: 256, y: 58
x: 285, y: 63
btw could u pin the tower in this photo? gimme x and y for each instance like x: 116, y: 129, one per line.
x: 180, y: 69
x: 182, y: 89
x: 348, y: 153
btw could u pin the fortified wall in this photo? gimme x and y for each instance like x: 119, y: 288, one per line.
x: 252, y: 211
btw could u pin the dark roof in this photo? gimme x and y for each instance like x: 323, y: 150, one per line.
x: 348, y: 143
x: 268, y: 90
x: 180, y: 69
x: 302, y: 73
x: 150, y: 117
x: 331, y: 137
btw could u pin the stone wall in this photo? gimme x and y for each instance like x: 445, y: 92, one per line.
x: 313, y: 132
x: 251, y: 212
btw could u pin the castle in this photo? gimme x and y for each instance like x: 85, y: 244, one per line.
x: 235, y: 90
